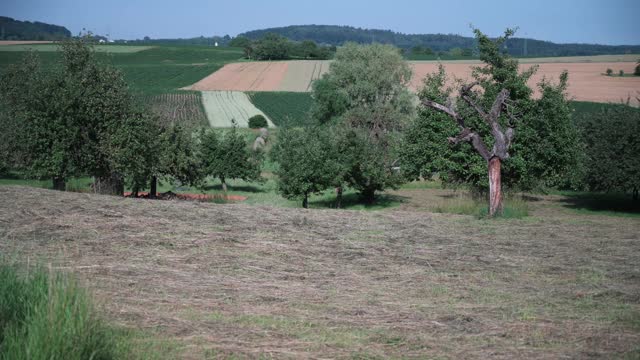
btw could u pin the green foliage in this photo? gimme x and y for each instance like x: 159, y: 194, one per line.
x: 78, y: 119
x: 12, y: 29
x: 339, y: 35
x: 612, y: 149
x: 609, y: 72
x: 545, y: 150
x: 636, y: 71
x: 621, y: 72
x: 307, y: 162
x: 284, y: 108
x: 257, y: 122
x: 48, y: 316
x: 364, y: 94
x: 368, y: 163
x: 228, y: 156
x: 272, y: 47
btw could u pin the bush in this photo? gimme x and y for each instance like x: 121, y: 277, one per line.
x: 621, y: 73
x: 257, y: 122
x: 45, y: 316
x: 609, y: 72
x: 637, y: 70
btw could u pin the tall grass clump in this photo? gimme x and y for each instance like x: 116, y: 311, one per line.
x: 48, y: 316
x: 465, y: 204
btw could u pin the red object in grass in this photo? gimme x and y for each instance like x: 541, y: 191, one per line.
x: 192, y: 197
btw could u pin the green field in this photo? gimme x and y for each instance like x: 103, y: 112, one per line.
x: 150, y: 70
x: 284, y: 108
x: 54, y: 47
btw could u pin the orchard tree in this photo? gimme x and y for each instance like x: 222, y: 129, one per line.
x: 306, y: 161
x: 229, y: 157
x: 495, y: 120
x: 365, y: 91
x: 74, y: 120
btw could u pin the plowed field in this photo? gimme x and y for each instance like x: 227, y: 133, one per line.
x: 586, y: 79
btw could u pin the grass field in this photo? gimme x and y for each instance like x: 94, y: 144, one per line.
x: 284, y: 108
x: 156, y: 70
x: 242, y: 281
x: 53, y: 47
x: 224, y: 106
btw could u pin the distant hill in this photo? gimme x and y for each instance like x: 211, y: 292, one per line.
x: 11, y: 29
x: 337, y: 35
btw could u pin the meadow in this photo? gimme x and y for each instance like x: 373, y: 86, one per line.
x: 212, y: 280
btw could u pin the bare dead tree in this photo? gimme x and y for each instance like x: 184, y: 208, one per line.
x: 502, y: 138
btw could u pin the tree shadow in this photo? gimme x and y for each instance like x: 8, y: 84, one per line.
x: 241, y: 188
x: 354, y: 201
x: 603, y: 203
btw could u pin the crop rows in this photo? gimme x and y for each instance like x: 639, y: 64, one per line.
x: 224, y: 106
x: 185, y: 108
x: 284, y: 108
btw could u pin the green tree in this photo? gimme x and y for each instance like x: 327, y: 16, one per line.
x: 613, y: 149
x: 365, y: 90
x: 306, y: 161
x: 229, y: 157
x: 636, y: 72
x: 541, y: 144
x: 272, y: 47
x: 73, y: 119
x: 244, y: 43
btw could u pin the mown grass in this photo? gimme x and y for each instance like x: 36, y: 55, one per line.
x: 285, y: 109
x: 44, y: 315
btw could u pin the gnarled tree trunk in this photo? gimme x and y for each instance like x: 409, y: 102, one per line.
x: 305, y: 201
x: 502, y: 138
x: 495, y: 189
x: 338, y: 197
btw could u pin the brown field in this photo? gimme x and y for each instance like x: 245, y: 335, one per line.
x: 586, y: 79
x: 212, y: 280
x: 23, y: 42
x: 247, y: 76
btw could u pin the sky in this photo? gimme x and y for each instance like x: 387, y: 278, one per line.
x: 613, y: 22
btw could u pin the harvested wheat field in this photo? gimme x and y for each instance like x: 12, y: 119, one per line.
x: 587, y: 81
x: 586, y: 76
x: 247, y: 76
x: 234, y: 280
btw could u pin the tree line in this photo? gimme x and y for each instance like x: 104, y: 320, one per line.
x: 78, y: 119
x: 339, y: 35
x: 276, y: 47
x: 11, y: 29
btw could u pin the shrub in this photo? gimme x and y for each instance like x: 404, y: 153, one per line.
x: 45, y: 316
x: 637, y: 70
x: 609, y: 72
x: 257, y: 122
x: 621, y: 73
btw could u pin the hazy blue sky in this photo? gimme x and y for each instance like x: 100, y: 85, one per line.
x: 590, y: 21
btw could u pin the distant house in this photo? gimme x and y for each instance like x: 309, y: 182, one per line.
x: 101, y: 41
x: 215, y: 44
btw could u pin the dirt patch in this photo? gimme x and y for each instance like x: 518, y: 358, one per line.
x: 294, y: 283
x: 249, y: 76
